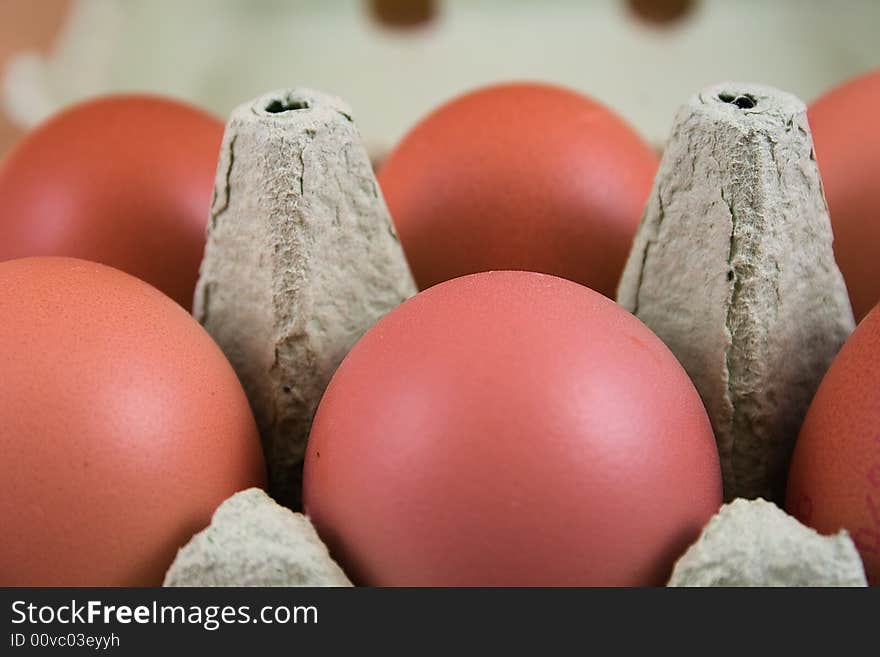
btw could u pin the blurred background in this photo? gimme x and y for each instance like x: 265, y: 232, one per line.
x: 395, y: 60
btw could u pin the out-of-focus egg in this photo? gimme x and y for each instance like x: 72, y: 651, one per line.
x: 123, y: 180
x: 847, y: 144
x: 510, y: 428
x: 834, y: 478
x: 122, y: 426
x: 519, y: 176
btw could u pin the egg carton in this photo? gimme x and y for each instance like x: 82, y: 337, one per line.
x: 292, y: 278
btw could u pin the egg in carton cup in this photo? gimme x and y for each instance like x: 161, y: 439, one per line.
x: 732, y: 267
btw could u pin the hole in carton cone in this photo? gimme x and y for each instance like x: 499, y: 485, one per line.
x: 277, y: 106
x: 743, y: 101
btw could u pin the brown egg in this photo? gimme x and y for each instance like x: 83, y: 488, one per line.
x: 125, y: 180
x: 122, y: 427
x: 847, y: 143
x: 510, y: 429
x: 519, y: 176
x: 834, y: 479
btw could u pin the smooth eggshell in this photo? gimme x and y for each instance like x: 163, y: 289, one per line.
x: 834, y: 478
x: 122, y: 427
x: 123, y: 180
x: 847, y: 144
x: 510, y: 428
x: 519, y: 176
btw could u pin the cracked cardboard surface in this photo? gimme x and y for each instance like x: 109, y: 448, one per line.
x: 732, y: 268
x: 301, y: 259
